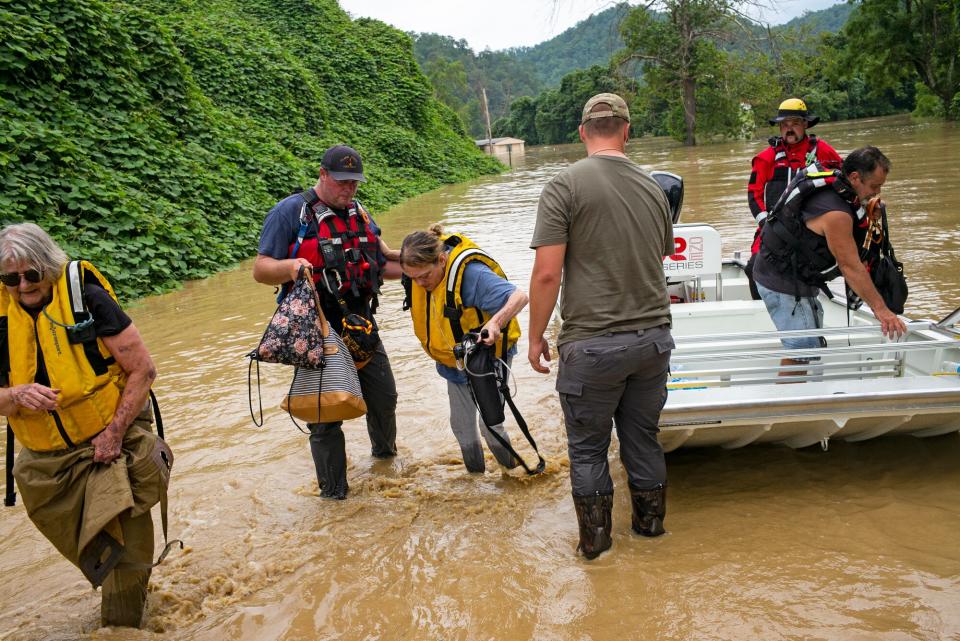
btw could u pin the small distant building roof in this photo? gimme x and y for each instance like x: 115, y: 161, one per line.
x: 498, y: 141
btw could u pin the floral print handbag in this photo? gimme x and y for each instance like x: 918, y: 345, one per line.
x: 298, y: 330
x: 325, y: 387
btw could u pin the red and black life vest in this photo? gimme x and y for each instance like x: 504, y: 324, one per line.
x: 784, y: 170
x: 345, y: 251
x: 790, y: 247
x: 775, y: 167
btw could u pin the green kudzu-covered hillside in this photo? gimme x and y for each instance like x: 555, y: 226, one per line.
x: 152, y: 136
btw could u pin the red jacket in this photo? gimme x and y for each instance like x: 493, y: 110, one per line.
x: 775, y: 166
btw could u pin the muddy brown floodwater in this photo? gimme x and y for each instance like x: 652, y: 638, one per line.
x: 859, y: 542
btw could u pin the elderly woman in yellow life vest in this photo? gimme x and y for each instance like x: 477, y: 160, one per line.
x: 74, y: 380
x: 449, y: 272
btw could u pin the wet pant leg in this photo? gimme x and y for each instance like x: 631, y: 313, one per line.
x: 380, y: 394
x: 124, y: 592
x: 589, y: 396
x: 637, y: 420
x: 598, y: 377
x: 328, y: 447
x: 327, y: 442
x: 502, y: 454
x: 463, y: 422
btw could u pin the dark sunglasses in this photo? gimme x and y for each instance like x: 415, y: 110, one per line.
x: 13, y: 279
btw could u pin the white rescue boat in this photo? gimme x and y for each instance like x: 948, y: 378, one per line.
x: 726, y: 389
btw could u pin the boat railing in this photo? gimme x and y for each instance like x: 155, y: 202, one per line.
x: 912, y: 329
x: 722, y: 360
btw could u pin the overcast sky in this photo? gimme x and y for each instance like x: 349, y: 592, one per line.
x: 499, y: 24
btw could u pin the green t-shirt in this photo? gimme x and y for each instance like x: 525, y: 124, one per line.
x: 615, y: 221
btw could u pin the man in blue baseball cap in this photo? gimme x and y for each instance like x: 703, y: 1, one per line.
x: 343, y: 163
x: 326, y: 229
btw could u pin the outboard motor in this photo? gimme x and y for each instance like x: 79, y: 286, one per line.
x: 672, y: 186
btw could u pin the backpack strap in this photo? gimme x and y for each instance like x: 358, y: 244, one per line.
x: 407, y: 283
x: 157, y: 419
x: 310, y: 199
x: 812, y: 151
x: 82, y: 330
x: 10, y: 497
x: 451, y: 310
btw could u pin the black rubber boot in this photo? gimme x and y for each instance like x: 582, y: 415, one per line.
x: 594, y: 516
x: 649, y: 510
x: 330, y: 458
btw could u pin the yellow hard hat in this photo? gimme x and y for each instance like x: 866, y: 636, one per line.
x: 794, y: 108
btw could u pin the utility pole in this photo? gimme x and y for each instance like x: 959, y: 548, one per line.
x: 486, y: 113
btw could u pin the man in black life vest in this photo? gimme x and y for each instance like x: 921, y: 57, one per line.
x: 774, y: 167
x: 327, y: 230
x: 816, y: 236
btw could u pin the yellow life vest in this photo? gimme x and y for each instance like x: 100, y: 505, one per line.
x: 439, y: 317
x: 89, y: 380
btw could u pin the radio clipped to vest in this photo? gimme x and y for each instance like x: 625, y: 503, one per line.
x: 331, y: 250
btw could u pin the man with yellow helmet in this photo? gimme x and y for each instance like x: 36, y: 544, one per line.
x: 775, y: 166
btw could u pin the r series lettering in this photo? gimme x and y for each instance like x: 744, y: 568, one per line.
x: 680, y: 246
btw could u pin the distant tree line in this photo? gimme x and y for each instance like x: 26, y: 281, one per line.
x: 458, y: 76
x: 698, y: 70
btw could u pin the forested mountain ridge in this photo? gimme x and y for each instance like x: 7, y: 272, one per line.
x: 590, y: 42
x: 594, y: 40
x: 832, y: 19
x: 152, y: 137
x: 458, y: 73
x: 697, y: 71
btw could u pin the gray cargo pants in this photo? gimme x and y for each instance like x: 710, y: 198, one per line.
x: 463, y: 422
x: 617, y: 378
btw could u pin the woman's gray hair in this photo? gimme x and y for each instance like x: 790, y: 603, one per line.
x: 28, y: 243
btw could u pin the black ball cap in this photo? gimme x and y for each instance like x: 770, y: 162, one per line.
x: 343, y: 163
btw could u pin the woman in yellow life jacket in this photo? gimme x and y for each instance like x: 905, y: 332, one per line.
x: 74, y: 379
x: 449, y: 272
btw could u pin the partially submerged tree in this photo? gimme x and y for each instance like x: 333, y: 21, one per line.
x: 679, y: 46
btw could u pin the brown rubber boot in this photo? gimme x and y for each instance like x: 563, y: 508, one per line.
x: 594, y: 517
x: 649, y: 510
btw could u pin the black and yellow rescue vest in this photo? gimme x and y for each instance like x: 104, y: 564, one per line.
x: 77, y: 363
x: 439, y: 318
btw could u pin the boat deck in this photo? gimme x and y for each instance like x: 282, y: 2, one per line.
x: 729, y: 389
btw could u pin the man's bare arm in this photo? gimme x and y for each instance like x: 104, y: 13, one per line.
x: 544, y: 290
x: 837, y: 228
x: 271, y: 271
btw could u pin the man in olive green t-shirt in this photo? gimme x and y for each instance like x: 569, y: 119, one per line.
x: 604, y: 225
